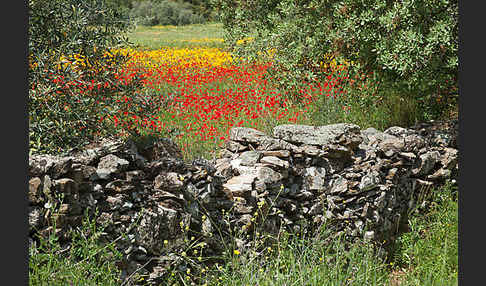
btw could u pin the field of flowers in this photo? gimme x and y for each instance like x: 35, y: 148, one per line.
x: 203, y: 92
x: 196, y: 94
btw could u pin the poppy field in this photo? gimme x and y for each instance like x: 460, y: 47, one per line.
x: 201, y: 93
x: 195, y: 93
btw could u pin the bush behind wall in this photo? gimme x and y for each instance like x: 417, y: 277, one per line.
x: 411, y: 44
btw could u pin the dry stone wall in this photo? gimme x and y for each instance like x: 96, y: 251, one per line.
x: 359, y: 182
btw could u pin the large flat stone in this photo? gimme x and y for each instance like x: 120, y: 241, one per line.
x: 341, y: 133
x: 245, y: 134
x: 239, y: 185
x: 274, y: 161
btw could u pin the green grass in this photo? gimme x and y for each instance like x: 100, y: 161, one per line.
x: 306, y: 261
x: 428, y: 254
x: 381, y: 111
x: 177, y: 36
x: 87, y: 261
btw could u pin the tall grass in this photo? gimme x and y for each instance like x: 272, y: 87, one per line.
x: 426, y: 255
x: 306, y: 261
x: 381, y: 110
x: 87, y: 260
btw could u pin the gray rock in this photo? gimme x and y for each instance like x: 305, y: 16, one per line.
x: 334, y: 151
x: 270, y: 144
x: 277, y: 153
x: 427, y: 163
x: 199, y: 175
x: 109, y: 165
x: 269, y: 176
x: 241, y: 206
x: 372, y: 138
x: 66, y: 186
x: 135, y: 175
x: 54, y: 166
x: 224, y: 168
x: 422, y: 185
x: 235, y: 146
x: 246, y: 170
x: 120, y: 186
x: 86, y: 173
x: 369, y: 131
x: 224, y: 153
x: 394, y: 144
x: 314, y: 178
x: 309, y: 150
x: 207, y: 228
x: 440, y: 174
x: 274, y: 161
x: 442, y: 138
x: 333, y: 203
x: 249, y: 158
x: 399, y: 131
x: 332, y: 166
x: 115, y: 202
x: 392, y: 174
x: 240, y: 185
x: 339, y: 185
x: 364, y: 212
x: 170, y: 182
x: 304, y: 195
x: 35, y: 191
x: 450, y: 158
x: 341, y: 133
x: 244, y: 134
x: 162, y: 148
x: 369, y: 181
x: 156, y: 226
x: 408, y: 156
x: 380, y: 201
x: 413, y: 143
x: 132, y: 152
x: 316, y: 209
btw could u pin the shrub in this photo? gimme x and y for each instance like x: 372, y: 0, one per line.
x: 74, y: 77
x: 412, y: 44
x: 151, y: 13
x: 143, y: 13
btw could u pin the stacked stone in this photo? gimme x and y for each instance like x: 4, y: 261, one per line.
x: 148, y: 200
x: 358, y: 182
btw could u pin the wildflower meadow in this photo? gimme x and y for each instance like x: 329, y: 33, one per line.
x: 197, y: 94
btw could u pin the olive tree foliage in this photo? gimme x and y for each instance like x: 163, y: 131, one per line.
x: 62, y: 112
x: 67, y: 27
x: 411, y: 42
